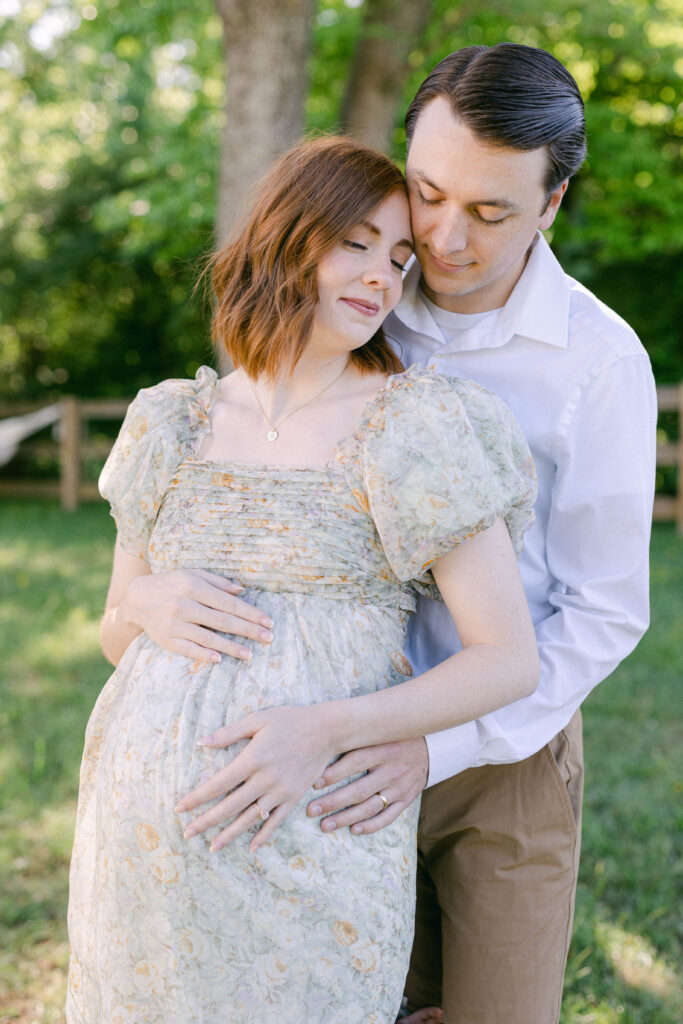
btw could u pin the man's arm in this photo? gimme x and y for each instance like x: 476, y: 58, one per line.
x: 597, y: 544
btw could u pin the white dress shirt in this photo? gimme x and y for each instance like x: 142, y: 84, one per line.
x: 581, y: 386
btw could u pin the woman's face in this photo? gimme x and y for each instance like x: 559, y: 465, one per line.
x: 360, y: 279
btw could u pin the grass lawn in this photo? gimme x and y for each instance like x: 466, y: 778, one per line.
x: 54, y: 570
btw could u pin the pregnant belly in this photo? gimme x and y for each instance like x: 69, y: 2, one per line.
x: 157, y: 706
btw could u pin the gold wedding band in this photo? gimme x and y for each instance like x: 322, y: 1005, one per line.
x: 384, y: 800
x: 263, y: 815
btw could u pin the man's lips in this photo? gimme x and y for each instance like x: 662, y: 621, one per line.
x: 449, y: 268
x: 366, y: 308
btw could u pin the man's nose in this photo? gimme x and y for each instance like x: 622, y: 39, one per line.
x: 450, y: 232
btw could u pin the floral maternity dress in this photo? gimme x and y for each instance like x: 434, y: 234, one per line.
x: 313, y: 928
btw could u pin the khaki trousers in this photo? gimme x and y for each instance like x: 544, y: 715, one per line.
x: 498, y: 863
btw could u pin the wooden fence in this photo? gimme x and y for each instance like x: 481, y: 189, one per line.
x: 668, y: 506
x: 74, y: 446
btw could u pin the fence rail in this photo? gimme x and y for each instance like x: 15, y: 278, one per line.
x: 71, y: 449
x: 74, y: 446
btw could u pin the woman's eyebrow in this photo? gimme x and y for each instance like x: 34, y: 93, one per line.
x: 373, y: 229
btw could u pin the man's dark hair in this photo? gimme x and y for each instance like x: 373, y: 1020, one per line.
x: 512, y: 95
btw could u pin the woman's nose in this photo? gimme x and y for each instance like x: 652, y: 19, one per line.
x: 379, y: 274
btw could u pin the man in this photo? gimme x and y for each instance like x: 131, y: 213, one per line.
x: 494, y: 136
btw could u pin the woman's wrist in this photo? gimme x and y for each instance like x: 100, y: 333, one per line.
x: 125, y: 613
x: 339, y: 721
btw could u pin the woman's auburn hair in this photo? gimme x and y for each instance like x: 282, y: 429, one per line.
x: 264, y: 277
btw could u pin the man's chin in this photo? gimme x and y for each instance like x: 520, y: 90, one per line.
x: 440, y: 288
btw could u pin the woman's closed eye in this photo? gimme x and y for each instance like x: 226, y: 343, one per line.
x: 359, y: 247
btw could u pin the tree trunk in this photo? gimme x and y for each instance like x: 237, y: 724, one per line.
x: 267, y: 44
x: 391, y: 30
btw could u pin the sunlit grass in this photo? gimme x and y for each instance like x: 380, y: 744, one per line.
x: 53, y: 577
x: 54, y: 571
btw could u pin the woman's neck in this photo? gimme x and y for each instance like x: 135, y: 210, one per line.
x: 310, y: 377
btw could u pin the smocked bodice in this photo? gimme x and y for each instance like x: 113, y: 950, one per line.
x: 281, y: 530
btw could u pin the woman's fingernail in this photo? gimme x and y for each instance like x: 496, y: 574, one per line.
x: 268, y: 623
x: 315, y: 810
x: 179, y: 808
x: 189, y: 832
x: 215, y: 657
x: 205, y: 741
x: 215, y: 846
x: 329, y: 826
x: 266, y: 636
x: 319, y: 784
x: 357, y: 829
x: 245, y: 654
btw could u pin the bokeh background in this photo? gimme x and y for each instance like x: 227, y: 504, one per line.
x: 110, y: 156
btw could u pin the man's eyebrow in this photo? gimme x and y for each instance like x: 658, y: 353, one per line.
x: 423, y: 177
x: 501, y: 204
x: 376, y: 231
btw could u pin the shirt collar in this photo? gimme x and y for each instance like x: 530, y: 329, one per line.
x: 538, y: 307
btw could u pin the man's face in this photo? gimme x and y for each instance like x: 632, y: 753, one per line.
x: 475, y: 209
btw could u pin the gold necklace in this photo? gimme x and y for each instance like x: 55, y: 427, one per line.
x: 274, y: 432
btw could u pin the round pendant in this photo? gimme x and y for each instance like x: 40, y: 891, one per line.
x: 272, y: 435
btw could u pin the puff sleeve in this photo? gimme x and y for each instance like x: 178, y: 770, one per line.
x: 437, y: 460
x: 163, y: 425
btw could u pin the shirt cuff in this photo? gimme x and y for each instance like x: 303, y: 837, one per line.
x: 452, y: 751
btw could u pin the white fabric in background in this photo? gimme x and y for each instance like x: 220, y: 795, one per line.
x: 16, y: 429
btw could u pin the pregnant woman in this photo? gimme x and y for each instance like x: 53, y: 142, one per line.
x: 328, y: 488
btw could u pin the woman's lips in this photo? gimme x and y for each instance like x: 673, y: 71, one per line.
x: 366, y: 308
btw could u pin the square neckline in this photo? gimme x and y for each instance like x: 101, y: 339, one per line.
x: 328, y: 469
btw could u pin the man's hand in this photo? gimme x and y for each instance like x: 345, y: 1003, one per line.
x: 428, y: 1015
x: 187, y: 610
x: 396, y: 770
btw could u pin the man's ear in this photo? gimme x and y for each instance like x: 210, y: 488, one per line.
x: 553, y: 206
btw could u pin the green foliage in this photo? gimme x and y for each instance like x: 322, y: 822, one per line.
x: 111, y: 156
x: 109, y: 150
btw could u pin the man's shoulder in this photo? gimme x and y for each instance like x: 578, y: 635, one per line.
x: 595, y: 325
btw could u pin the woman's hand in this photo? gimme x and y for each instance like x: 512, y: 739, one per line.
x: 289, y: 749
x: 188, y: 610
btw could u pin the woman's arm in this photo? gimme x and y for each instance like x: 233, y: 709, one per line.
x: 117, y: 631
x: 291, y: 746
x: 498, y: 664
x: 183, y: 610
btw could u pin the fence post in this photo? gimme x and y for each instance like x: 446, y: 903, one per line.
x: 679, y: 467
x: 70, y: 454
